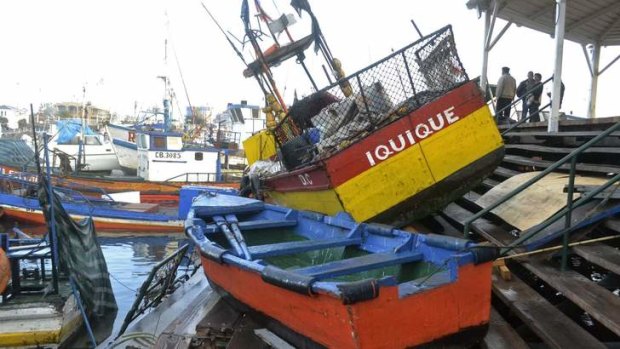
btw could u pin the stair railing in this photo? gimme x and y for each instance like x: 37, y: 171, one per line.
x: 570, y: 205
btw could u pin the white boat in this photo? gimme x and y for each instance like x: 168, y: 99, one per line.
x: 96, y: 153
x: 124, y: 144
x: 155, y: 153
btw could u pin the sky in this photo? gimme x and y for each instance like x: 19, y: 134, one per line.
x: 50, y: 50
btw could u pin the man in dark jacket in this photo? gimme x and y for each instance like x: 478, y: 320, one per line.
x: 524, y: 87
x: 534, y: 98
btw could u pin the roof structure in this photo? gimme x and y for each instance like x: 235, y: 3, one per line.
x: 587, y: 21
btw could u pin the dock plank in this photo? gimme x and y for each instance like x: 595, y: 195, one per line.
x: 525, y: 161
x: 561, y: 150
x: 505, y: 172
x: 601, y: 255
x: 502, y: 335
x: 550, y: 324
x: 594, y: 299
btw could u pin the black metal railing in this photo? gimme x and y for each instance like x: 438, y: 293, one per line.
x: 570, y: 205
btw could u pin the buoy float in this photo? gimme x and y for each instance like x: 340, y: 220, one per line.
x: 5, y: 271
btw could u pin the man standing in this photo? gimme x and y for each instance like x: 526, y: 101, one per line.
x: 505, y: 93
x: 534, y: 99
x: 524, y: 88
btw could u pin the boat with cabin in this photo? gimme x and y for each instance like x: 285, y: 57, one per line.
x: 393, y: 142
x: 340, y: 283
x: 83, y: 149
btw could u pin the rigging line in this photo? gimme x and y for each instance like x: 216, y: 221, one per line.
x: 239, y: 54
x: 176, y: 58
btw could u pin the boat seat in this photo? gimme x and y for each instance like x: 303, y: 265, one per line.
x: 254, y: 225
x: 359, y: 264
x: 293, y: 247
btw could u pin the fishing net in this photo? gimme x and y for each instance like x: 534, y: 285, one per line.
x: 15, y: 153
x: 381, y: 93
x: 79, y: 254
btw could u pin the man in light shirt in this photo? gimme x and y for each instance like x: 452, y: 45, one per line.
x: 505, y: 93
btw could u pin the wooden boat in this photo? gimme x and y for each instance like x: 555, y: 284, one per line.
x: 16, y: 156
x: 29, y: 319
x: 390, y: 143
x: 340, y: 283
x: 18, y: 199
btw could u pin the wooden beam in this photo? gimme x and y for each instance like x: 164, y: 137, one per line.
x: 600, y: 303
x: 501, y: 334
x: 601, y: 255
x: 550, y: 324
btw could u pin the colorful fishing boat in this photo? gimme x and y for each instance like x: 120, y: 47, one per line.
x: 390, y: 143
x: 340, y: 283
x: 16, y: 156
x: 19, y: 201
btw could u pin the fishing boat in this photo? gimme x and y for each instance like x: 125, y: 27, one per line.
x: 85, y: 149
x: 390, y: 143
x: 17, y: 157
x: 19, y: 201
x: 340, y: 283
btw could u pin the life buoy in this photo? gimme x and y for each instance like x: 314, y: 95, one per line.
x: 5, y: 271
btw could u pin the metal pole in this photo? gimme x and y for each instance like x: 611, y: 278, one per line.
x: 485, y: 53
x: 53, y: 238
x: 595, y: 61
x: 569, y: 213
x: 552, y: 126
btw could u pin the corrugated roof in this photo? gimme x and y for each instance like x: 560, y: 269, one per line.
x: 587, y: 21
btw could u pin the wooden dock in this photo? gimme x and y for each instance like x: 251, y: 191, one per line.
x: 542, y: 304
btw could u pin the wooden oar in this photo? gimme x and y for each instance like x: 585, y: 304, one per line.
x: 234, y: 224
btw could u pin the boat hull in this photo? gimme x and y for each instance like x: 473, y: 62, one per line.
x: 439, y: 151
x: 430, y: 316
x: 101, y: 223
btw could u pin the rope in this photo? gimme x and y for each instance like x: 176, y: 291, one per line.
x: 122, y: 284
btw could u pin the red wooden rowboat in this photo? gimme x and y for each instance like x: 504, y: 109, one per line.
x: 339, y: 283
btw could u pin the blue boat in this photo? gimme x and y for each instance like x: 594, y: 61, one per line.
x: 340, y: 283
x: 18, y: 200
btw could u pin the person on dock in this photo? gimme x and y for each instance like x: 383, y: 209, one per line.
x: 505, y: 92
x: 524, y: 87
x: 534, y: 98
x: 561, y: 92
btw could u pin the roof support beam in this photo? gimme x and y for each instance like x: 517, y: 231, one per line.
x: 552, y: 126
x: 593, y: 63
x: 592, y: 16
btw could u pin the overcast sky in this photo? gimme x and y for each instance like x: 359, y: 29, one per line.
x: 50, y: 49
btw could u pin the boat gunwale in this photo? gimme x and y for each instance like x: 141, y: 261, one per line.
x: 411, y: 241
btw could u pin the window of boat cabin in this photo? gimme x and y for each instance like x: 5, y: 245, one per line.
x: 89, y: 140
x: 142, y: 141
x: 92, y: 140
x: 198, y: 156
x: 158, y: 142
x: 175, y: 143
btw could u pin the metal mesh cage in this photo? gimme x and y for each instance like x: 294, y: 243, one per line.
x: 328, y: 121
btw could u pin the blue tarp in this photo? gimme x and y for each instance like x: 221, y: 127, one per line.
x: 67, y: 129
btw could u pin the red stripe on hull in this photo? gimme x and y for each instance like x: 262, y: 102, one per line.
x: 387, y: 321
x: 37, y: 217
x: 403, y: 133
x: 305, y: 179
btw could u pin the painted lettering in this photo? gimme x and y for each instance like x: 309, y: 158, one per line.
x: 401, y: 146
x: 426, y: 131
x: 449, y: 113
x: 382, y: 152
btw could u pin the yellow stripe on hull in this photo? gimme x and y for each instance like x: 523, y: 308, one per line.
x: 324, y: 201
x: 29, y: 338
x: 461, y: 144
x: 386, y: 184
x: 419, y: 167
